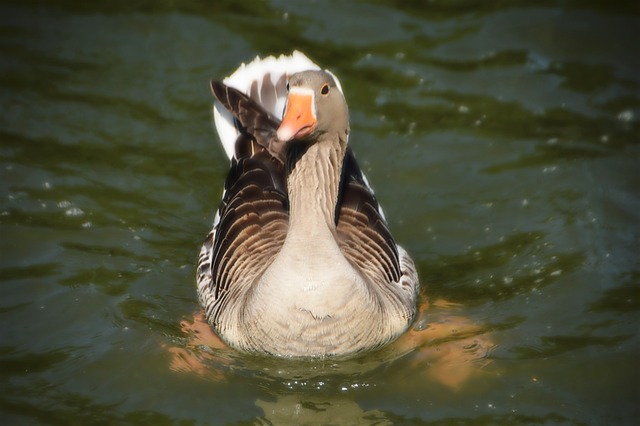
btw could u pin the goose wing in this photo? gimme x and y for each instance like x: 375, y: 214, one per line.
x: 252, y: 219
x: 363, y: 234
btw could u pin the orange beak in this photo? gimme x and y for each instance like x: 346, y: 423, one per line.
x: 299, y: 118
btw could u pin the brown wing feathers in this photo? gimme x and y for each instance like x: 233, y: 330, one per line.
x: 254, y: 211
x: 363, y: 234
x: 252, y: 118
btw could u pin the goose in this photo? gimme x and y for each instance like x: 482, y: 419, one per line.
x: 300, y: 262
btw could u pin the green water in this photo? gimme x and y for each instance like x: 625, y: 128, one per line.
x: 502, y: 139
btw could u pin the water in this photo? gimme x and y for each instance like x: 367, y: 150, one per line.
x: 501, y: 138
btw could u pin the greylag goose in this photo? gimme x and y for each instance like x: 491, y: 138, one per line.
x: 300, y: 261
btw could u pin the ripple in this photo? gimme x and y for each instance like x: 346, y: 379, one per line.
x: 74, y: 212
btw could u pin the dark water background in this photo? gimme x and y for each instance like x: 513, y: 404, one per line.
x: 502, y: 139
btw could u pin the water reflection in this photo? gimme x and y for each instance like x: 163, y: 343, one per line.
x: 443, y: 351
x: 442, y: 347
x: 311, y: 410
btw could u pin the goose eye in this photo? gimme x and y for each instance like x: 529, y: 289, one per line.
x: 287, y: 86
x: 325, y: 89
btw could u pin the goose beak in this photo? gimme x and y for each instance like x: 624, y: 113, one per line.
x: 300, y: 116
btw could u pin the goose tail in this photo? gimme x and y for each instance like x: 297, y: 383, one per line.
x: 264, y: 80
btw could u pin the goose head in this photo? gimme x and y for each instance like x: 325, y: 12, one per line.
x: 315, y: 108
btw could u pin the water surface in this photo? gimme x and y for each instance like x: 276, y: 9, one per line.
x: 502, y: 140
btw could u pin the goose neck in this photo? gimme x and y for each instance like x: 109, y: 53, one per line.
x: 313, y: 186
